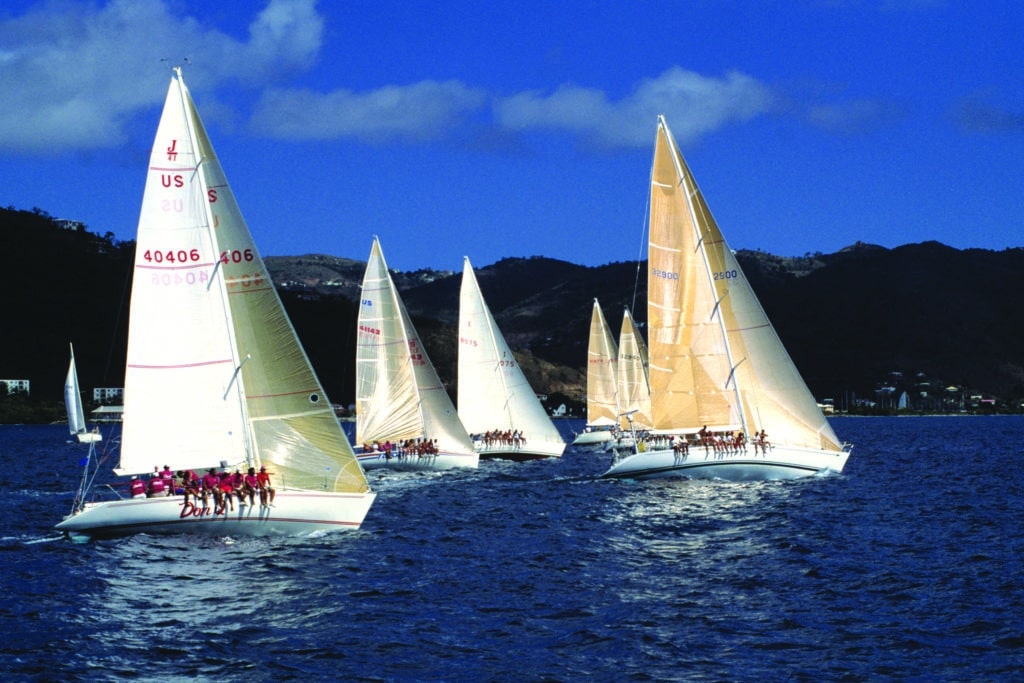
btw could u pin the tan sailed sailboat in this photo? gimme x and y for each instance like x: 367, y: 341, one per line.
x: 496, y: 403
x: 404, y: 417
x: 634, y: 388
x: 216, y: 377
x: 602, y: 384
x: 721, y: 381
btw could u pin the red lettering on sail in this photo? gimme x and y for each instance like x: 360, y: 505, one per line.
x: 172, y: 153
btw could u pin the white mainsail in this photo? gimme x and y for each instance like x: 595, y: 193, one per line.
x: 634, y: 390
x: 215, y: 372
x: 399, y: 396
x: 493, y: 393
x: 715, y: 359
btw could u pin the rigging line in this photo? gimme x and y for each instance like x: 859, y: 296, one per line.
x: 640, y: 252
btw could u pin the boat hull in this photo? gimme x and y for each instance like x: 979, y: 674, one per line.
x: 530, y: 451
x: 418, y: 463
x: 293, y: 513
x: 596, y: 437
x: 781, y: 462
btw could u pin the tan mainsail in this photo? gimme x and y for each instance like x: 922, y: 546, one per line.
x: 633, y: 385
x: 715, y: 359
x: 602, y: 376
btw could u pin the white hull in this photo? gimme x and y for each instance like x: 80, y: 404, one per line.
x: 781, y: 462
x: 592, y: 438
x: 294, y: 513
x: 418, y: 463
x: 530, y: 451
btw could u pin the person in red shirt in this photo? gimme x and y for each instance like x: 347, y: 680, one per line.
x: 156, y: 486
x: 211, y: 485
x: 266, y: 490
x: 251, y: 485
x: 227, y: 490
x: 137, y: 487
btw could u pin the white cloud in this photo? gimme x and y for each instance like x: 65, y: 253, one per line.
x: 74, y: 74
x: 693, y: 104
x: 421, y: 111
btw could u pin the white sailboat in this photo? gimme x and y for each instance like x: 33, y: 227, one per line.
x: 720, y: 377
x: 404, y: 417
x: 602, y: 384
x: 216, y: 377
x: 78, y: 428
x: 496, y: 403
x: 76, y: 411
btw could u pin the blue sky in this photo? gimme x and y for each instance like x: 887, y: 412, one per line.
x: 519, y: 129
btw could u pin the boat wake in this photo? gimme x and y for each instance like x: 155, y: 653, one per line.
x: 45, y: 539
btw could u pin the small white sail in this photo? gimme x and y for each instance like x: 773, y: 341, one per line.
x: 716, y: 363
x: 399, y: 397
x: 215, y: 371
x: 496, y: 403
x: 77, y: 426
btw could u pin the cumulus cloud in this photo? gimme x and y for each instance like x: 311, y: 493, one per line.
x: 421, y: 111
x: 77, y: 75
x: 694, y: 105
x: 74, y: 74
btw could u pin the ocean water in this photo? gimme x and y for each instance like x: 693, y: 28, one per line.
x: 906, y: 567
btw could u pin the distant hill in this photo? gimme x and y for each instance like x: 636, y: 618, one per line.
x: 856, y: 321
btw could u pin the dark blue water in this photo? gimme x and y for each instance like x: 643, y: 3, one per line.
x: 906, y: 567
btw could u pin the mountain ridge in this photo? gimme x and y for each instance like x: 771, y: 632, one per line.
x: 849, y: 319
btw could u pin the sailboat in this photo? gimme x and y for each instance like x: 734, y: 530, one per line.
x: 404, y: 417
x: 76, y: 411
x: 602, y: 383
x: 78, y: 428
x: 722, y: 384
x: 496, y: 403
x: 633, y: 386
x: 216, y: 378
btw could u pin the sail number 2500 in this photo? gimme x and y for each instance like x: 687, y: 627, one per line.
x: 192, y: 255
x: 726, y: 275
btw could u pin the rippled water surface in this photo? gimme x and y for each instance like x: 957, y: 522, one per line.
x: 905, y: 567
